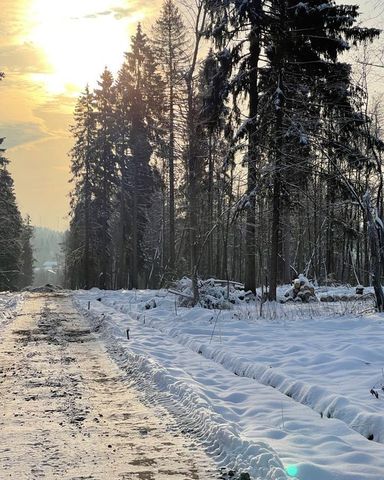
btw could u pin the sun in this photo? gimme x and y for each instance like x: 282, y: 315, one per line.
x: 78, y: 38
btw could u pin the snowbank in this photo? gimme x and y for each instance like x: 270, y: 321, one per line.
x: 293, y: 390
x: 9, y: 306
x: 161, y: 385
x: 213, y: 293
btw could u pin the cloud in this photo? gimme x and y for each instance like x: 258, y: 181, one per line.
x: 24, y: 58
x: 57, y: 114
x: 119, y: 13
x: 11, y: 18
x: 147, y: 7
x: 20, y: 133
x: 95, y: 15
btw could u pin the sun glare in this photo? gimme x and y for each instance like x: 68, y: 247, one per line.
x: 79, y: 38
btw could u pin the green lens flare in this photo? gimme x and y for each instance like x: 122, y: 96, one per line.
x: 291, y: 470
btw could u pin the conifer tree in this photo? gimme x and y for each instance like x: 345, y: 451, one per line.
x: 302, y: 42
x: 212, y: 115
x: 105, y: 173
x: 140, y: 84
x: 237, y: 29
x: 170, y: 46
x: 10, y: 230
x: 123, y: 134
x: 83, y: 168
x: 26, y: 277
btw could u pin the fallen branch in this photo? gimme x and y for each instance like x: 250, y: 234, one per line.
x: 223, y: 282
x: 181, y: 294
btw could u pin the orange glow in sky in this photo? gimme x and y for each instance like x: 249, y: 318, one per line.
x: 49, y: 51
x: 77, y: 38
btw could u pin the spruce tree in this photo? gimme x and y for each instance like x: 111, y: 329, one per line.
x: 212, y: 117
x: 27, y: 260
x: 123, y: 134
x: 10, y: 230
x: 83, y: 169
x: 304, y: 43
x: 170, y: 47
x: 105, y: 174
x: 237, y: 29
x: 141, y: 88
x: 301, y: 43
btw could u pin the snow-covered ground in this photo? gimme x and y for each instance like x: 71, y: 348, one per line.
x: 289, y: 392
x: 9, y: 304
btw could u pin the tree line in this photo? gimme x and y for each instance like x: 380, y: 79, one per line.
x: 234, y: 143
x: 16, y: 256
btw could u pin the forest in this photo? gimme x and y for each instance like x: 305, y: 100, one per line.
x: 16, y: 255
x: 236, y: 145
x: 237, y: 141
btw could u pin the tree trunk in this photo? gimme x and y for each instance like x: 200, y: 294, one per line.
x: 375, y: 263
x: 253, y: 148
x: 135, y: 240
x: 275, y: 236
x: 286, y: 248
x: 192, y: 159
x: 276, y: 204
x: 87, y: 227
x: 172, y: 255
x: 210, y: 204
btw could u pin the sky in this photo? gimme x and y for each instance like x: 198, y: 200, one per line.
x: 49, y: 51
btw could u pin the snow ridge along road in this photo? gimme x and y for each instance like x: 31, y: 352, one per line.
x: 68, y: 412
x: 174, y: 351
x: 10, y: 303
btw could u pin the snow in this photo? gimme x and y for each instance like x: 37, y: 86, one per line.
x: 379, y: 222
x: 68, y: 412
x: 243, y: 129
x: 9, y: 305
x: 282, y: 393
x: 213, y: 293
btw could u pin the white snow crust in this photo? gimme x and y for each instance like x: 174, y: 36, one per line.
x: 9, y: 305
x: 278, y: 396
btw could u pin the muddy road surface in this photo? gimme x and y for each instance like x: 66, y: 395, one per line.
x: 68, y: 412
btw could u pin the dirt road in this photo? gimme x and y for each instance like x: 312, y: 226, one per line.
x: 68, y: 412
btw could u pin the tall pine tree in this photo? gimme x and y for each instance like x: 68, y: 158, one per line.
x: 170, y: 46
x: 142, y: 91
x: 83, y: 168
x: 301, y: 43
x: 10, y: 230
x: 105, y: 174
x: 27, y: 260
